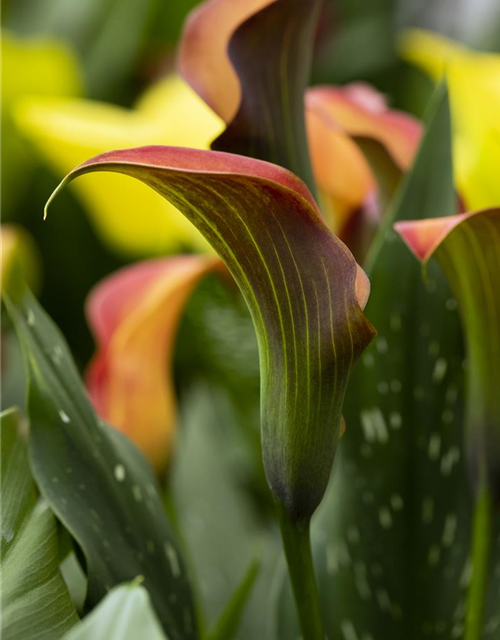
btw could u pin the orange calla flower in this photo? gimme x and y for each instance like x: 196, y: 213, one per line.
x: 134, y: 315
x: 333, y: 114
x: 203, y: 58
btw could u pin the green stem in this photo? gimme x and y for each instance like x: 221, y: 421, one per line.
x: 297, y: 546
x: 481, y: 551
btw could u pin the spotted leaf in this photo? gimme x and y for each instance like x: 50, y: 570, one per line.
x: 467, y: 246
x: 94, y: 479
x: 35, y: 599
x: 392, y: 537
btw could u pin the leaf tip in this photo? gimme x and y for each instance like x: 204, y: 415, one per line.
x: 55, y: 193
x: 137, y: 581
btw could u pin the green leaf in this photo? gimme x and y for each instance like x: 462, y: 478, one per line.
x: 393, y: 534
x: 301, y: 285
x: 225, y: 49
x: 222, y: 521
x: 35, y: 600
x: 95, y: 480
x: 125, y: 613
x: 467, y: 247
x: 229, y: 621
x: 98, y: 31
x: 387, y: 173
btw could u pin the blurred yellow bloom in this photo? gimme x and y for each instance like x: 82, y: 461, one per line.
x: 17, y: 248
x: 130, y: 217
x: 29, y: 68
x: 474, y: 83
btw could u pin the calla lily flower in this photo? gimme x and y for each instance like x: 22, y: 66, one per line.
x: 137, y: 222
x: 30, y: 67
x: 134, y: 315
x: 302, y: 286
x: 334, y: 115
x: 474, y: 83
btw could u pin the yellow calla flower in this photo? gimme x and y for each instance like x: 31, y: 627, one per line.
x: 131, y: 218
x: 31, y: 67
x: 474, y: 84
x: 18, y: 250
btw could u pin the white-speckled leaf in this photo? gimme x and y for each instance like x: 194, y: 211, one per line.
x: 35, y: 600
x: 95, y: 480
x: 392, y: 536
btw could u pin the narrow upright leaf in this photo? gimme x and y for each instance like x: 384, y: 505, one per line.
x: 301, y: 284
x: 228, y: 623
x: 94, y: 479
x: 35, y: 602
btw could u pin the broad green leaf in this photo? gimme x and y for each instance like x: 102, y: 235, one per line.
x: 95, y: 480
x: 301, y: 284
x: 225, y: 47
x: 125, y: 613
x: 467, y: 247
x: 35, y: 600
x: 393, y: 534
